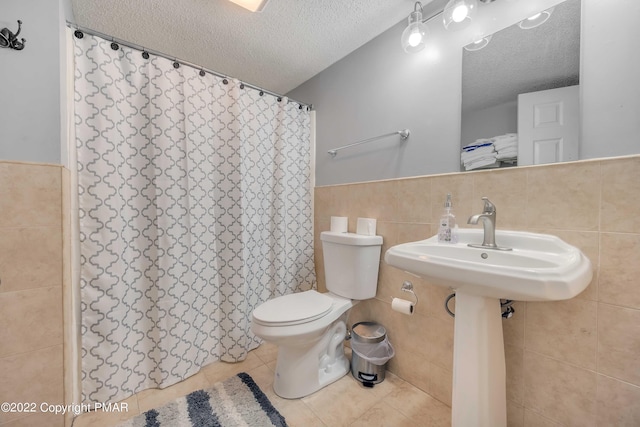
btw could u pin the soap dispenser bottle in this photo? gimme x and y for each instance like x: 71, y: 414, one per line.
x: 448, y: 230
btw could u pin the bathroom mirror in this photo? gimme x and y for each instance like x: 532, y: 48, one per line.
x: 516, y: 61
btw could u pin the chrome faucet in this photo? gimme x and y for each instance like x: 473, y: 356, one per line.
x: 488, y: 218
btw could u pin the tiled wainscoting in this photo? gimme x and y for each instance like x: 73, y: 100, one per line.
x: 569, y: 363
x: 31, y: 319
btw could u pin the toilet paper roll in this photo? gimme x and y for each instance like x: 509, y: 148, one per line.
x: 366, y: 226
x: 402, y: 306
x: 339, y: 224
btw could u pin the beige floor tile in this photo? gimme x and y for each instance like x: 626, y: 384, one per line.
x: 267, y: 352
x: 418, y: 406
x: 334, y: 409
x: 220, y: 371
x: 37, y: 420
x: 295, y: 411
x: 108, y: 419
x: 263, y: 376
x: 383, y: 415
x: 344, y: 403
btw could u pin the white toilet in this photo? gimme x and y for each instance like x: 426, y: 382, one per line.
x: 309, y: 327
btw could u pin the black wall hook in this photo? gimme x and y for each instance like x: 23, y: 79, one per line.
x: 10, y: 40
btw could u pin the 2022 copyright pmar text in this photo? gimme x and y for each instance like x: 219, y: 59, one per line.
x: 52, y: 408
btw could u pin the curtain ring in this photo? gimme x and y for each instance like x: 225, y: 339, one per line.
x: 145, y: 54
x: 202, y: 73
x: 115, y: 45
x: 241, y: 85
x: 176, y: 64
x: 79, y: 34
x: 446, y: 304
x: 225, y: 81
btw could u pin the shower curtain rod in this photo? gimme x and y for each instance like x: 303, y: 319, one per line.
x: 179, y: 61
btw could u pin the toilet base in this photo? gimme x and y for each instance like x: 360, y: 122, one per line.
x: 303, y: 370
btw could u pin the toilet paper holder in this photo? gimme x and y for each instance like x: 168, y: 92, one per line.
x: 407, y: 286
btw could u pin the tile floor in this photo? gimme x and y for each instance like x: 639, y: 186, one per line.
x: 392, y: 403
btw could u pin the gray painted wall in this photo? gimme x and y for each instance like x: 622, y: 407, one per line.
x: 376, y: 90
x: 380, y: 89
x: 30, y: 123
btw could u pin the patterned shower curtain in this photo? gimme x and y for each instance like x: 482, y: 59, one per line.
x: 194, y: 208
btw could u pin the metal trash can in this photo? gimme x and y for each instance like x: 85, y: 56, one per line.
x: 370, y: 351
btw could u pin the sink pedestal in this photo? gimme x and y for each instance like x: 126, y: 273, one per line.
x: 479, y: 379
x: 540, y: 267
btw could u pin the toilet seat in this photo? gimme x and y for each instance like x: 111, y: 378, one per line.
x: 293, y: 309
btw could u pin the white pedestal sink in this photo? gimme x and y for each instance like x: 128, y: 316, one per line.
x: 539, y: 268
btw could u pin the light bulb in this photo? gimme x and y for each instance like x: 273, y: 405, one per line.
x: 460, y: 12
x: 478, y: 44
x: 457, y: 14
x: 415, y: 38
x: 415, y: 35
x: 536, y: 20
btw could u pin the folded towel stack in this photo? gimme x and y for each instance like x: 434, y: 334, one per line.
x: 490, y: 152
x: 506, y: 146
x: 479, y: 154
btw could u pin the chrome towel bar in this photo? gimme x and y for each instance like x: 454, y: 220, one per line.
x: 404, y: 134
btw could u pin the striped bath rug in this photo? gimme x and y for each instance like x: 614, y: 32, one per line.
x: 235, y: 402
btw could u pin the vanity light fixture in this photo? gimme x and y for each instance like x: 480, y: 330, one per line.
x: 252, y: 5
x: 415, y: 35
x: 458, y: 13
x: 536, y: 20
x: 455, y: 15
x: 478, y: 44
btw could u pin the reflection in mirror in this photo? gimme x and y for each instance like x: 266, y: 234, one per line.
x: 518, y: 61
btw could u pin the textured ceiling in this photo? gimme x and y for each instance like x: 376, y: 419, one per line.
x: 520, y: 61
x: 277, y: 49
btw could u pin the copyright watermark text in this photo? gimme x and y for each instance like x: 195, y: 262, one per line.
x: 51, y: 408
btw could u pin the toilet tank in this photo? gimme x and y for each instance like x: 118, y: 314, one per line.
x: 351, y: 263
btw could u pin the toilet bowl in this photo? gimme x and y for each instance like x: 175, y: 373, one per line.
x: 310, y: 354
x: 309, y: 327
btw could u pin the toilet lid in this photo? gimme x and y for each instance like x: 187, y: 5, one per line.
x: 293, y: 309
